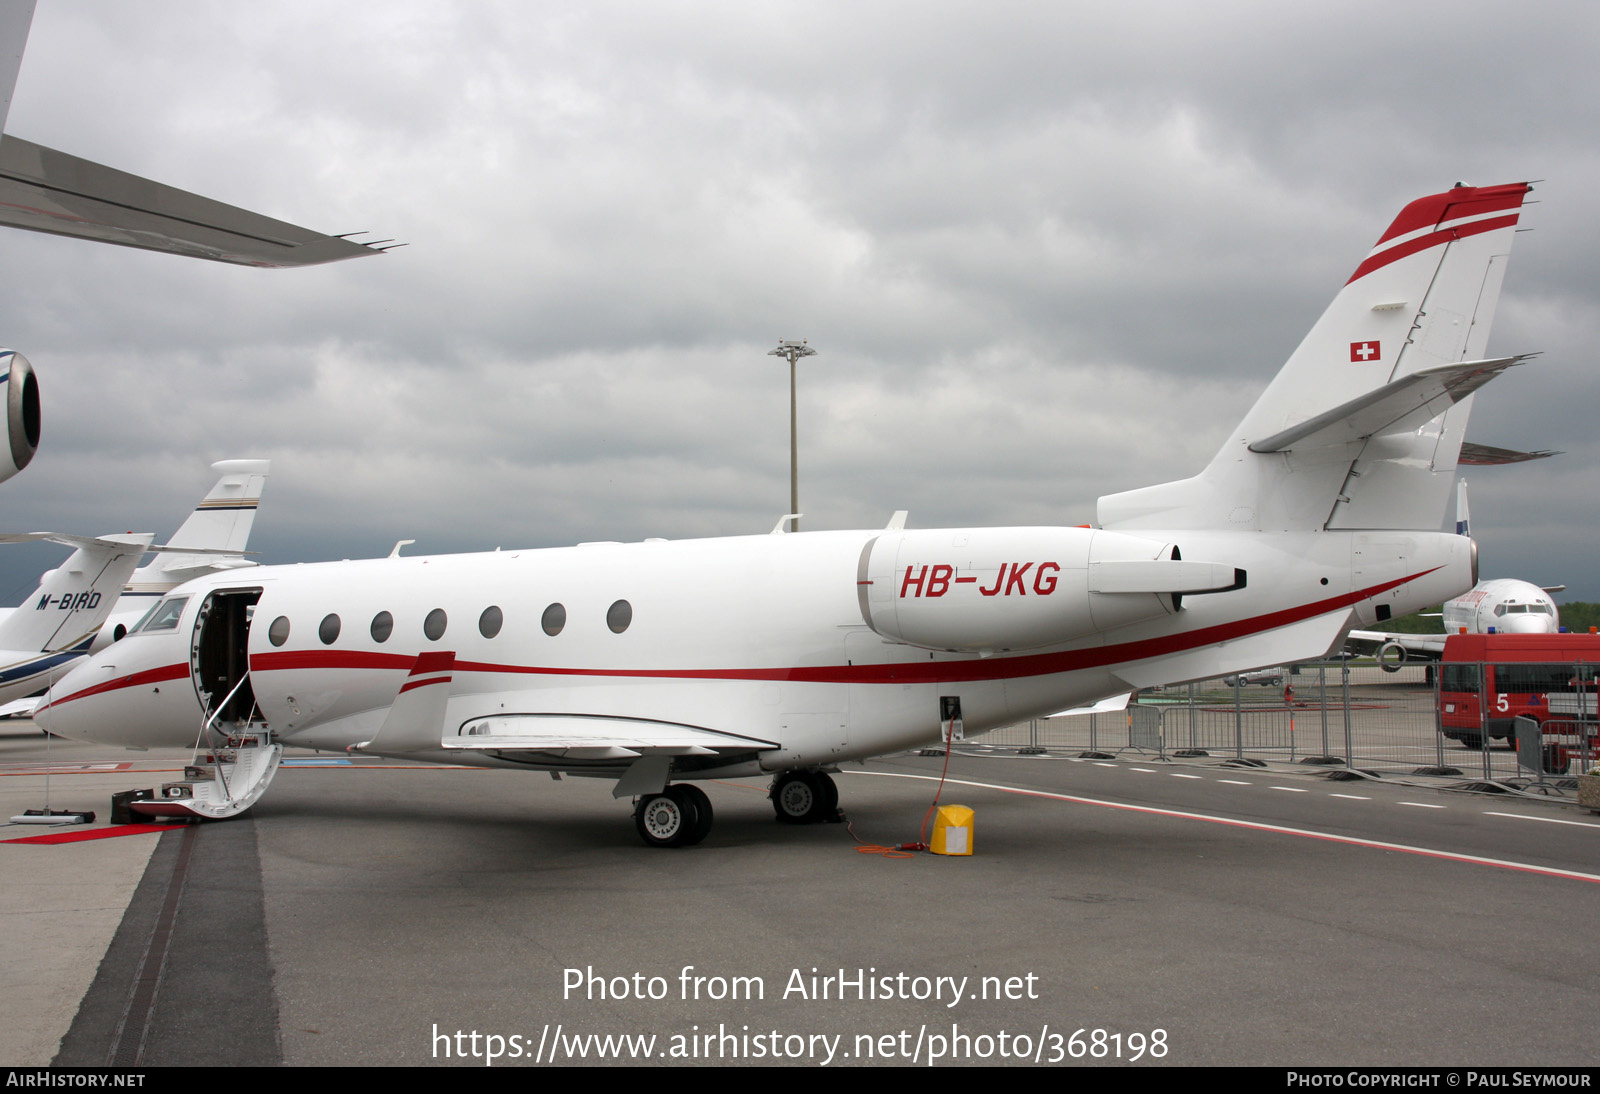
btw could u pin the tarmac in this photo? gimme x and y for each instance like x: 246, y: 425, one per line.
x: 1191, y: 913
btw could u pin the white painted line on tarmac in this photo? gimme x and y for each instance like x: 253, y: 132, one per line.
x: 1420, y: 805
x: 1547, y: 820
x: 1179, y: 775
x: 1258, y: 826
x: 1102, y: 763
x: 1235, y: 782
x: 1290, y: 789
x: 1146, y: 770
x: 1352, y: 797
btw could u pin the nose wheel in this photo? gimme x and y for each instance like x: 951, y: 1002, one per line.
x: 804, y: 797
x: 680, y: 816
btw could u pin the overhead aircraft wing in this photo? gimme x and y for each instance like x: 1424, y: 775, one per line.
x: 43, y: 190
x: 596, y: 737
x: 1484, y: 455
x: 1397, y: 407
x: 1418, y: 647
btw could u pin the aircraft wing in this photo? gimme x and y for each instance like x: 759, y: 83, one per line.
x: 43, y: 190
x: 596, y: 737
x: 1419, y: 647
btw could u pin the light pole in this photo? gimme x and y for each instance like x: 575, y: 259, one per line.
x: 793, y: 351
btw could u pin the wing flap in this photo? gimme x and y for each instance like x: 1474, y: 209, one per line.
x: 596, y: 737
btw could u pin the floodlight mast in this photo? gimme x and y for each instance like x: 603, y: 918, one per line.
x: 793, y: 351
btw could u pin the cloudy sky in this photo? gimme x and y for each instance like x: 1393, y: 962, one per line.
x: 1045, y: 252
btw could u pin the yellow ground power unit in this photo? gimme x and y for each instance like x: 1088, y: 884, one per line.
x: 952, y: 831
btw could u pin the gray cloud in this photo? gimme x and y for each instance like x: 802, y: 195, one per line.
x: 1047, y: 252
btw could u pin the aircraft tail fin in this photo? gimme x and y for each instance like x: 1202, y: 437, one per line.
x: 16, y: 19
x: 1362, y: 427
x: 74, y: 599
x: 216, y: 533
x: 1463, y: 522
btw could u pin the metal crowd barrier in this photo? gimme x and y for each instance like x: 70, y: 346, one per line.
x: 1335, y: 714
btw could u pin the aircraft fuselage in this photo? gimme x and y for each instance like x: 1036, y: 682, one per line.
x: 761, y: 636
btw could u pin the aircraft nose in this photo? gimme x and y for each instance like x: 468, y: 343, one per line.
x: 64, y: 720
x: 1525, y: 624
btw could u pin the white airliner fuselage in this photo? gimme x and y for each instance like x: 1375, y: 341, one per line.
x: 1505, y: 604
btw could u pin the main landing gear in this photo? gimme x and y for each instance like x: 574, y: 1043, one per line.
x: 679, y: 816
x: 804, y: 797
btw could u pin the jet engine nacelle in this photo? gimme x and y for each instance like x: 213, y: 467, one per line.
x: 1391, y: 656
x: 22, y: 413
x: 992, y: 589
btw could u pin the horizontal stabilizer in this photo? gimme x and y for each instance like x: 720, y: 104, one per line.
x: 1483, y: 455
x: 1398, y: 407
x: 21, y: 708
x: 43, y: 190
x: 1104, y: 706
x: 596, y: 738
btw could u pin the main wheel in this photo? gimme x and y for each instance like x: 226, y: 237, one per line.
x: 830, y: 797
x: 665, y: 820
x: 798, y: 798
x: 696, y: 798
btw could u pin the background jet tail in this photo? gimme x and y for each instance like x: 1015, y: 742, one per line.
x: 73, y: 600
x: 221, y: 522
x: 16, y: 19
x: 1463, y: 522
x: 1363, y: 426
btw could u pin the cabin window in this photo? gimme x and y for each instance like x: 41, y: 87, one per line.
x: 328, y: 630
x: 554, y: 618
x: 490, y: 622
x: 278, y: 633
x: 382, y: 627
x: 434, y: 625
x: 619, y: 615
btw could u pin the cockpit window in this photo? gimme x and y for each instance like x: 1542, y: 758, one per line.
x: 164, y: 616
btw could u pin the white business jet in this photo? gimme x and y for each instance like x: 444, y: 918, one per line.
x: 664, y: 662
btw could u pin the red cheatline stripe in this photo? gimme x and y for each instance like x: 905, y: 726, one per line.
x: 994, y: 668
x: 82, y: 834
x: 410, y: 684
x: 148, y: 676
x: 1432, y: 239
